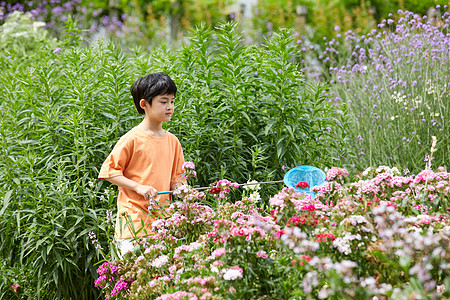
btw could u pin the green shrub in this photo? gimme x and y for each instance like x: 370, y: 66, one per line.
x: 242, y: 112
x: 20, y: 34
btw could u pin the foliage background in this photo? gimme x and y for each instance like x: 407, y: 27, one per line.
x: 148, y: 23
x: 241, y: 110
x: 240, y: 114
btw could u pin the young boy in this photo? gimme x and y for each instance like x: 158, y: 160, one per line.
x: 145, y: 160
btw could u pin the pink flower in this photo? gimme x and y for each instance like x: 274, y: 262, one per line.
x: 178, y: 295
x: 188, y: 165
x: 309, y: 207
x: 232, y: 274
x: 120, y: 285
x: 262, y: 254
x: 336, y: 174
x: 160, y: 261
x: 14, y: 287
x: 218, y: 252
x: 100, y: 281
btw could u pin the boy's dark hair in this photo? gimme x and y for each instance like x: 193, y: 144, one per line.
x: 152, y: 85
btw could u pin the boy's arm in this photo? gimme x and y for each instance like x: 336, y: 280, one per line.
x: 146, y: 191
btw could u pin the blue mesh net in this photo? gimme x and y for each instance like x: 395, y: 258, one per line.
x: 312, y: 175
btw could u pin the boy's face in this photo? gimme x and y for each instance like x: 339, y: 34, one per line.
x: 161, y: 109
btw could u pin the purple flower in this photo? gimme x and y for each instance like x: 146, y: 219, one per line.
x: 57, y: 50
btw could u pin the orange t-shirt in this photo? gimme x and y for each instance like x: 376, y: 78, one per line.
x: 148, y: 160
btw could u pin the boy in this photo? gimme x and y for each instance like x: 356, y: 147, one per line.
x: 145, y: 160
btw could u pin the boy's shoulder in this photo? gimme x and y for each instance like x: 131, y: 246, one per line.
x: 172, y: 136
x: 130, y: 134
x: 138, y: 134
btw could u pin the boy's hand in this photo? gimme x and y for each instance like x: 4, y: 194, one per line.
x: 147, y: 191
x: 176, y: 185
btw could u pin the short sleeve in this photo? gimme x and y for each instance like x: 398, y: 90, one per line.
x: 177, y: 170
x: 117, y: 160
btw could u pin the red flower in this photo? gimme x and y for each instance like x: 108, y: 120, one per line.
x: 302, y: 259
x: 215, y: 190
x: 309, y: 207
x: 322, y: 237
x: 302, y: 185
x: 279, y: 233
x: 304, y: 219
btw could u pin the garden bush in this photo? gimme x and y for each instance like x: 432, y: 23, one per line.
x: 380, y: 235
x: 93, y: 17
x: 242, y: 112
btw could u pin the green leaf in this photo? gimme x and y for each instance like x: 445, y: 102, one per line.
x: 5, y: 201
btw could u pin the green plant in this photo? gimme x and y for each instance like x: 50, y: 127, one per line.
x: 362, y: 244
x: 20, y: 34
x: 65, y: 105
x: 48, y: 161
x: 395, y: 106
x: 244, y: 111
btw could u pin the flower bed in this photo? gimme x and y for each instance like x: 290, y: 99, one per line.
x: 381, y: 234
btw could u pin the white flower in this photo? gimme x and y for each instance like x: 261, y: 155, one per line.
x: 255, y: 197
x: 160, y: 261
x: 232, y: 274
x: 37, y: 25
x: 252, y: 186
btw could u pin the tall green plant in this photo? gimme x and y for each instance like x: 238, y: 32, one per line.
x: 242, y: 112
x: 49, y: 132
x: 246, y: 111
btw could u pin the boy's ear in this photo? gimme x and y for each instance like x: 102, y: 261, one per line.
x: 143, y: 103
